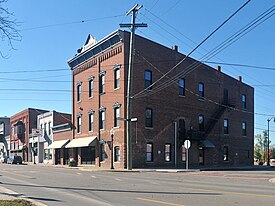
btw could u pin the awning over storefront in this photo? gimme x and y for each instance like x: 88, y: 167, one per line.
x: 82, y: 142
x: 206, y: 144
x: 58, y: 144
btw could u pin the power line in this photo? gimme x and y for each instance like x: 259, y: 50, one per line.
x: 240, y: 65
x: 73, y: 22
x: 195, y: 64
x: 211, y: 34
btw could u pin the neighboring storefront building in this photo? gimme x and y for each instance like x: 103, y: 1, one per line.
x: 21, y: 125
x: 196, y: 102
x: 4, y: 136
x: 42, y: 137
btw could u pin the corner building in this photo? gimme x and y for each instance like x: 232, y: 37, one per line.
x: 194, y: 101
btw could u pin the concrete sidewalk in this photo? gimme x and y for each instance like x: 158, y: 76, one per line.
x: 6, y: 194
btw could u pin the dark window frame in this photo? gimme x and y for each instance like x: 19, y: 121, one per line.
x: 79, y: 92
x: 148, y: 81
x: 102, y: 80
x: 149, y: 120
x: 244, y: 106
x: 167, y: 153
x: 91, y: 87
x: 225, y: 154
x: 201, y: 124
x: 91, y: 123
x: 149, y: 158
x: 182, y: 87
x: 225, y: 126
x: 117, y: 154
x: 201, y: 90
x: 102, y: 121
x: 79, y: 123
x: 244, y: 129
x: 117, y: 77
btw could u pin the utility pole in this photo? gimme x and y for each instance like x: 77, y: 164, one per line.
x: 133, y: 26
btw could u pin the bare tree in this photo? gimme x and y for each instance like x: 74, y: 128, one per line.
x: 8, y: 27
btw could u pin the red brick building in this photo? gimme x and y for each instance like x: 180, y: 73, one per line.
x: 21, y: 125
x: 194, y: 101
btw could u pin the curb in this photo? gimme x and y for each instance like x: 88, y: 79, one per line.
x: 11, y: 195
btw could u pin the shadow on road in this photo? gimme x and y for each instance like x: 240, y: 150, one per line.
x: 113, y: 190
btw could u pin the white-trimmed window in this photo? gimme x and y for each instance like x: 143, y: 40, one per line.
x: 102, y: 83
x: 117, y: 154
x: 243, y: 101
x: 79, y: 122
x: 91, y: 87
x: 225, y: 126
x: 91, y: 120
x: 79, y: 91
x: 148, y: 117
x: 148, y: 79
x: 116, y: 77
x: 102, y: 113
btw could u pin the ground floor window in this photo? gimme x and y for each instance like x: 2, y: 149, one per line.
x: 88, y: 155
x: 57, y: 156
x: 149, y: 152
x: 167, y: 152
x: 48, y: 154
x: 183, y: 153
x: 225, y: 153
x: 201, y: 155
x: 117, y: 154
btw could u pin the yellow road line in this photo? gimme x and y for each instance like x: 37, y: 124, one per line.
x: 160, y: 202
x: 20, y: 175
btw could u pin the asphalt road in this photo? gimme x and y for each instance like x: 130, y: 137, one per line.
x: 62, y: 186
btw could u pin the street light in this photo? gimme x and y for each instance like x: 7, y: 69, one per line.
x: 112, y: 148
x: 268, y: 155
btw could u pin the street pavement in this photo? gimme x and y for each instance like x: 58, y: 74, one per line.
x: 88, y: 186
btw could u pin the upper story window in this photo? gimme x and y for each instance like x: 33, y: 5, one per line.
x: 201, y: 122
x: 79, y: 88
x: 49, y: 128
x: 91, y: 87
x: 2, y: 128
x: 181, y: 129
x: 149, y: 152
x: 91, y: 121
x: 102, y: 113
x: 45, y: 128
x: 79, y: 123
x: 201, y: 90
x: 182, y: 87
x: 116, y: 77
x: 116, y: 114
x: 243, y: 101
x: 102, y: 83
x: 148, y: 79
x: 243, y: 128
x: 148, y: 117
x: 225, y: 126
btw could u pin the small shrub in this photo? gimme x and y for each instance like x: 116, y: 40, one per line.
x: 72, y: 163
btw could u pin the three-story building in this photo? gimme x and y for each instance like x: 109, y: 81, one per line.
x: 192, y: 101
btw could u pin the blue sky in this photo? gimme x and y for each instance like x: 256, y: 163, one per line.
x: 52, y: 31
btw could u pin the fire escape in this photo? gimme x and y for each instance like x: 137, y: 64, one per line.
x: 217, y: 114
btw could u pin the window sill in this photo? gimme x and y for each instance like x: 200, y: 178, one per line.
x: 102, y: 93
x: 149, y: 162
x: 201, y: 99
x: 117, y: 127
x: 78, y: 101
x: 91, y: 97
x: 150, y: 128
x: 182, y: 96
x: 116, y: 88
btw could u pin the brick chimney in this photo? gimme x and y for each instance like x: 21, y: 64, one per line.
x: 240, y: 78
x: 175, y: 48
x: 218, y: 68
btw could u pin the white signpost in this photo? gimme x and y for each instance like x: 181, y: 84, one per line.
x: 187, y: 145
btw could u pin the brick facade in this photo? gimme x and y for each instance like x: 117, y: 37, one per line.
x: 222, y: 100
x: 21, y: 125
